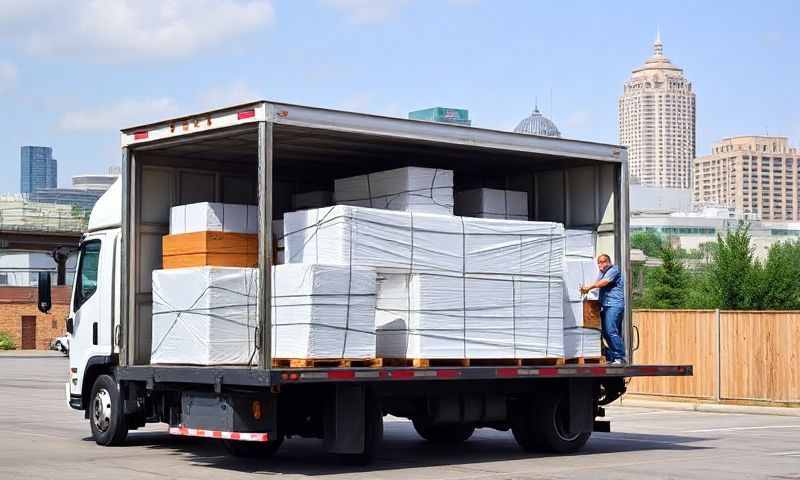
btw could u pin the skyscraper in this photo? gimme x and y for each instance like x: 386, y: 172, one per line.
x: 657, y: 122
x: 38, y: 169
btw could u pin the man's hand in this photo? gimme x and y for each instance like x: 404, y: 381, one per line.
x: 585, y: 289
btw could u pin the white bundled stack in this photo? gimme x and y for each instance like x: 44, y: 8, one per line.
x: 450, y: 287
x: 209, y: 216
x: 323, y: 311
x: 580, y: 268
x: 208, y: 315
x: 410, y: 189
x: 492, y: 203
x: 204, y: 315
x: 315, y: 199
x: 492, y: 316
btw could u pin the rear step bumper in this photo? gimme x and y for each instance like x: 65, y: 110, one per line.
x: 197, y: 432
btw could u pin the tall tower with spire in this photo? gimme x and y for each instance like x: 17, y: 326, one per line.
x: 657, y: 122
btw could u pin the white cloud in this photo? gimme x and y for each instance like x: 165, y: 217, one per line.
x: 224, y: 96
x: 128, y: 30
x: 8, y: 76
x: 367, y: 11
x: 125, y: 113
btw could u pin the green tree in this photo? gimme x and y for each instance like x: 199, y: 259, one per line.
x: 731, y: 273
x: 668, y: 283
x: 775, y: 284
x: 648, y: 242
x: 6, y: 343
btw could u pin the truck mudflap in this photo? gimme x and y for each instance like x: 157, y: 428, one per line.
x: 198, y: 432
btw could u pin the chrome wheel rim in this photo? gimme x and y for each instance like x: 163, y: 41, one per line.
x: 560, y: 423
x: 101, y: 410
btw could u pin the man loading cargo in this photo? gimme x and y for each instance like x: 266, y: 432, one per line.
x: 612, y: 303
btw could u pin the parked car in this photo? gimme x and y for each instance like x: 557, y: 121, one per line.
x: 60, y: 344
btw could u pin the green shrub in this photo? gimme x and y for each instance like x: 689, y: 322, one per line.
x: 5, y: 342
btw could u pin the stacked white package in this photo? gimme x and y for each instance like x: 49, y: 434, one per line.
x: 315, y: 199
x: 210, y: 216
x: 411, y: 189
x: 404, y: 242
x: 492, y: 203
x: 204, y: 315
x: 493, y: 316
x: 323, y: 311
x: 580, y: 268
x: 451, y: 287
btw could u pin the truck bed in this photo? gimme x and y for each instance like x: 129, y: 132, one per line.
x: 254, y: 376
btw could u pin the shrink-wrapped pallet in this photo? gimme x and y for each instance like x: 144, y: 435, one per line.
x: 204, y: 315
x: 404, y: 242
x: 488, y: 316
x: 492, y: 203
x: 580, y: 268
x: 323, y: 311
x: 208, y: 315
x: 412, y: 189
x: 215, y: 217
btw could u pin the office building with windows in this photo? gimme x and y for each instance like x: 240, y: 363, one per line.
x: 38, y: 169
x: 657, y: 122
x: 752, y: 174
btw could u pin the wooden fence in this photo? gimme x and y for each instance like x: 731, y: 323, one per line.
x: 738, y: 356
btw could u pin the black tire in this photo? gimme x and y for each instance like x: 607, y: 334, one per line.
x: 373, y: 435
x: 106, y: 416
x: 244, y: 449
x: 552, y: 422
x: 524, y: 427
x: 450, y: 433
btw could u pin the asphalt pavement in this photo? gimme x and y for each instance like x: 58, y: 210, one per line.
x: 41, y: 437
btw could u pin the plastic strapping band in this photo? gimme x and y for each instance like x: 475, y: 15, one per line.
x: 349, y: 288
x: 464, y: 280
x: 408, y: 286
x: 549, y: 283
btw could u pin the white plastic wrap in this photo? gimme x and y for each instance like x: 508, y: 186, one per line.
x: 208, y: 316
x: 204, y: 315
x: 580, y: 268
x: 323, y: 311
x: 402, y: 242
x: 413, y: 189
x: 492, y: 203
x: 488, y: 316
x: 209, y: 216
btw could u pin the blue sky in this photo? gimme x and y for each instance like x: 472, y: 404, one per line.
x: 73, y: 73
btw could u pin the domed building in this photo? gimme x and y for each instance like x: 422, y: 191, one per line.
x: 537, y: 124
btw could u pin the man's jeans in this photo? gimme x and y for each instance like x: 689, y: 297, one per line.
x: 612, y: 332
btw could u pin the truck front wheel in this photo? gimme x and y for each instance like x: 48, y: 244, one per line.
x: 106, y: 414
x: 452, y: 433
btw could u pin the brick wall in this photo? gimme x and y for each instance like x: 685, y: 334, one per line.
x: 16, y: 302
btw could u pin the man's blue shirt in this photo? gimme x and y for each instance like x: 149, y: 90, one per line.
x: 613, y: 294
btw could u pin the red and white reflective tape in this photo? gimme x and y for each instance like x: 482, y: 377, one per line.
x: 198, y: 432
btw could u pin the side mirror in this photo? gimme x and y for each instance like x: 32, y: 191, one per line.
x: 45, y: 301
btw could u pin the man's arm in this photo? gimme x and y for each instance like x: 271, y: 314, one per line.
x: 609, y: 276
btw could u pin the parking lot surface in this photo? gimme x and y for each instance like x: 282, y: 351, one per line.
x: 41, y: 437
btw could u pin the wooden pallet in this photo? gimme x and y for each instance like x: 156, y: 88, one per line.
x: 585, y: 361
x: 470, y: 362
x: 326, y: 362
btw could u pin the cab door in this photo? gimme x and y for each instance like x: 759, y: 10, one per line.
x: 90, y: 302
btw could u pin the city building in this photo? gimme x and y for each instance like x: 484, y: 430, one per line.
x: 537, y: 124
x: 657, y: 122
x: 751, y: 174
x: 38, y: 169
x: 690, y: 230
x: 85, y: 191
x: 459, y: 116
x: 644, y: 198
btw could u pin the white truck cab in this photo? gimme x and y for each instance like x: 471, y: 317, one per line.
x: 93, y: 322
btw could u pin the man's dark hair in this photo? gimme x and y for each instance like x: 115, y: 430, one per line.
x: 606, y: 256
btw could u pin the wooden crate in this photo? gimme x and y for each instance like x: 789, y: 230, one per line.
x: 219, y: 249
x: 591, y: 314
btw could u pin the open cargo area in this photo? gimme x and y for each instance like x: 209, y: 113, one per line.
x: 308, y: 157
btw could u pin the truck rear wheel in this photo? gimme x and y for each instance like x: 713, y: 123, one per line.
x: 106, y: 414
x: 449, y: 433
x: 239, y: 448
x: 543, y: 426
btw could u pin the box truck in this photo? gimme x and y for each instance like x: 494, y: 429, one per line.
x: 261, y: 153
